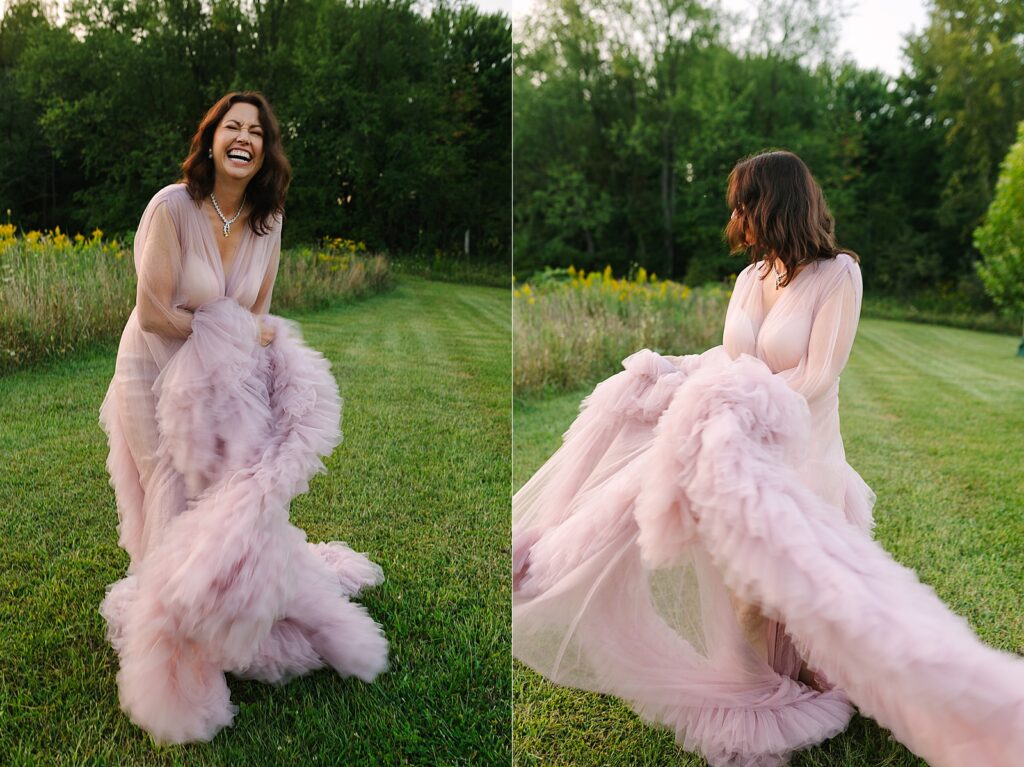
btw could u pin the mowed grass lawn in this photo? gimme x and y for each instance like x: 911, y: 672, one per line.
x: 421, y: 482
x: 933, y: 419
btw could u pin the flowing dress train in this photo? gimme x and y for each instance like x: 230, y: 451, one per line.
x: 688, y: 483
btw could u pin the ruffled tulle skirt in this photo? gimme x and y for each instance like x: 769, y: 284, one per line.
x: 682, y: 490
x: 219, y: 580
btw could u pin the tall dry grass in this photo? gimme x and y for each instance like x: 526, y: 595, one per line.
x: 60, y: 295
x: 572, y: 329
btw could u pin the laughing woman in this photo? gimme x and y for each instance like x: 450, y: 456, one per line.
x: 217, y: 416
x: 699, y: 546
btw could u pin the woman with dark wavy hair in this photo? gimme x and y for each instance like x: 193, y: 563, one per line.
x: 217, y: 415
x: 700, y: 547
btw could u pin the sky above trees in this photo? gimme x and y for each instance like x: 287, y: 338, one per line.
x: 872, y: 32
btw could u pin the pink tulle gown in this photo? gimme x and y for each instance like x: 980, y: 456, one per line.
x: 211, y: 436
x: 691, y: 486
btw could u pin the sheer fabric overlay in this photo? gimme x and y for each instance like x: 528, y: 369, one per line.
x: 179, y: 268
x: 688, y: 481
x: 211, y: 436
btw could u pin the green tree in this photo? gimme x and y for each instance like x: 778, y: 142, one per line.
x: 476, y: 72
x: 630, y: 116
x: 1000, y: 239
x: 970, y: 64
x: 397, y: 124
x: 30, y: 175
x: 565, y: 101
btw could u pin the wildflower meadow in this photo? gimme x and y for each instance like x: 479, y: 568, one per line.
x: 573, y: 327
x: 60, y: 294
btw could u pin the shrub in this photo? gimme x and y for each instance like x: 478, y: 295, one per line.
x: 1000, y: 238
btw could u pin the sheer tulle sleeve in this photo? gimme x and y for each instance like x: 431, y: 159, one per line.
x: 737, y: 331
x: 832, y: 333
x: 739, y: 293
x: 159, y: 271
x: 262, y: 303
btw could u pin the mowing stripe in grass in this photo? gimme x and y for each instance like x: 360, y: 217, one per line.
x: 421, y: 482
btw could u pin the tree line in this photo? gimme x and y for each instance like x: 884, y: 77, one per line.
x: 397, y: 123
x: 629, y: 116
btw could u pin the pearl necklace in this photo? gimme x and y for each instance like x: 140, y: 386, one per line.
x: 227, y: 224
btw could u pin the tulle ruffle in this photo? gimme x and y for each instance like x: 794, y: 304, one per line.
x: 227, y: 583
x: 629, y: 542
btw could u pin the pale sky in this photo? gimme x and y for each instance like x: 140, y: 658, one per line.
x: 872, y: 33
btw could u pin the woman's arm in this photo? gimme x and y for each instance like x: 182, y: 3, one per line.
x: 832, y: 335
x: 737, y: 333
x: 739, y: 292
x: 262, y: 303
x: 159, y: 264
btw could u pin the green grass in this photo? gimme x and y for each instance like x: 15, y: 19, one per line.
x: 421, y: 483
x: 932, y: 418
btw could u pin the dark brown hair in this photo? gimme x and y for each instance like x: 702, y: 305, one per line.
x: 268, y: 189
x: 779, y: 212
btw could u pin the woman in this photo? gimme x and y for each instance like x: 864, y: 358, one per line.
x: 217, y: 415
x: 699, y: 546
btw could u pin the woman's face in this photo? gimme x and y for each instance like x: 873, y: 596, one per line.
x: 238, y: 143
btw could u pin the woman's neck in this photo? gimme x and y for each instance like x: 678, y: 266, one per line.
x: 229, y: 194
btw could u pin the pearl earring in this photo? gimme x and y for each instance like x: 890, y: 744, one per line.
x: 210, y: 152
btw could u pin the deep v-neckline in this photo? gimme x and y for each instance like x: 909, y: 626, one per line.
x: 212, y: 237
x: 766, y: 313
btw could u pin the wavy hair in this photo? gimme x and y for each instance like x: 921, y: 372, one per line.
x: 779, y: 213
x: 268, y: 189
